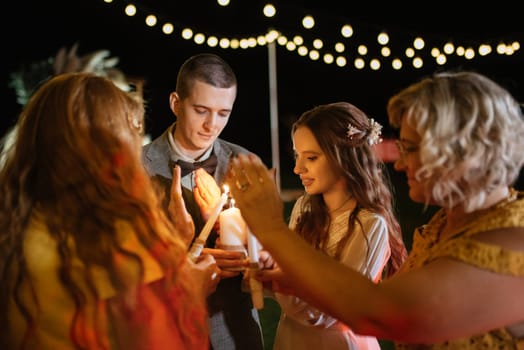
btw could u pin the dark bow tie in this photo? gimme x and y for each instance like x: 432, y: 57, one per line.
x: 208, y: 164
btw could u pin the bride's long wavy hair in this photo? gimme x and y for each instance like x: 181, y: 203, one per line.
x: 364, y: 173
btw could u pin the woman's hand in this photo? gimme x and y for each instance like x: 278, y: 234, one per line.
x: 206, y: 272
x: 177, y: 211
x: 253, y: 187
x: 265, y: 260
x: 274, y: 279
x: 231, y: 263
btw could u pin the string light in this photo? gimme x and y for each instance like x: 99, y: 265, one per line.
x: 269, y: 10
x: 298, y: 44
x: 341, y: 61
x: 130, y: 10
x: 346, y: 31
x: 396, y: 64
x: 151, y: 20
x: 167, y: 28
x: 308, y: 22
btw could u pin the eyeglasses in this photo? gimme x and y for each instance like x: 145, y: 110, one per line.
x: 406, y: 150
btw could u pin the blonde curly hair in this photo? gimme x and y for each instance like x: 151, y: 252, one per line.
x: 472, y: 135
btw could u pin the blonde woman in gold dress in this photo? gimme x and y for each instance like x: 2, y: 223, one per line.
x: 461, y: 146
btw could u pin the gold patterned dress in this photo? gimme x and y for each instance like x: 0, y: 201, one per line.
x: 464, y: 247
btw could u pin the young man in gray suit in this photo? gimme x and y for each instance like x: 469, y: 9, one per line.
x: 202, y: 103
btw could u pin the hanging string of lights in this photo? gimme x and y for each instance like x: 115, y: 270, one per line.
x: 372, y: 55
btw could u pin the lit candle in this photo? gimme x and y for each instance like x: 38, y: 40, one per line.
x: 233, y: 229
x: 200, y: 241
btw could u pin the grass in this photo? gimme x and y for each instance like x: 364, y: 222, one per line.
x: 269, y: 316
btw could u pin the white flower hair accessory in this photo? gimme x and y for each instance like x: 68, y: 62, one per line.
x: 374, y: 135
x: 352, y: 131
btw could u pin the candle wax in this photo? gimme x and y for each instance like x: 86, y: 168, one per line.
x: 233, y: 228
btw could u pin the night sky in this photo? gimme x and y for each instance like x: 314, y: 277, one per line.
x: 36, y: 30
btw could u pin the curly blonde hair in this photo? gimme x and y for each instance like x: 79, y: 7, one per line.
x: 472, y: 135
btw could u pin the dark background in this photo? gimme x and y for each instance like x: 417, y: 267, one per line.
x: 34, y: 30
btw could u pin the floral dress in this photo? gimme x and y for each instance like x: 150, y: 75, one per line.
x: 464, y: 247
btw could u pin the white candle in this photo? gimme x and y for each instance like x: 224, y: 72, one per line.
x: 233, y: 229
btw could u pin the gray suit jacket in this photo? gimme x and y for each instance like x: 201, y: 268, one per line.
x: 233, y: 322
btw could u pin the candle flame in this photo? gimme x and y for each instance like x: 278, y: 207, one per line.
x: 226, y: 189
